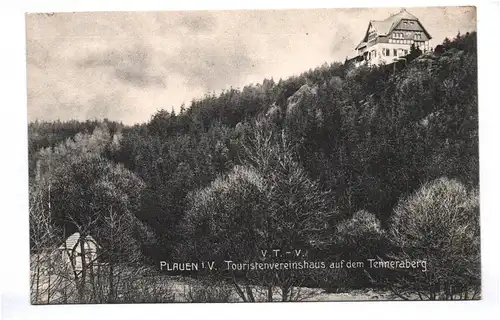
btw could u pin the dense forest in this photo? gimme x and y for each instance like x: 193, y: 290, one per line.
x: 342, y: 162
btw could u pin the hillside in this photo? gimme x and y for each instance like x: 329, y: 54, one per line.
x: 361, y: 139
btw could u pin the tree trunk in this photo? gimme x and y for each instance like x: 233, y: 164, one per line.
x: 111, y: 283
x: 84, y: 266
x: 37, y: 270
x: 270, y: 293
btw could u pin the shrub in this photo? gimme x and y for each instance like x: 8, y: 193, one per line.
x: 439, y: 223
x: 359, y: 238
x: 362, y: 234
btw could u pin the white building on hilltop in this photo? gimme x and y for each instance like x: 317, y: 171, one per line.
x: 388, y: 40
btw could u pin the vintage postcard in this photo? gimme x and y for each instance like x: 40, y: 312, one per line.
x: 253, y: 155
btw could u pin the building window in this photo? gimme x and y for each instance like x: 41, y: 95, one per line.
x: 395, y: 52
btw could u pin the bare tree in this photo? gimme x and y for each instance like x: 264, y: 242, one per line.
x: 267, y: 203
x: 439, y: 224
x: 95, y: 198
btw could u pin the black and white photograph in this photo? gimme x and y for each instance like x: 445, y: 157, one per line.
x: 237, y: 156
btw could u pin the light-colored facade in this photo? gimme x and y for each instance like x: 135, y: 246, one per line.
x: 388, y: 40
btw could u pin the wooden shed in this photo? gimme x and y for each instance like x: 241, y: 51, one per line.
x: 71, y: 251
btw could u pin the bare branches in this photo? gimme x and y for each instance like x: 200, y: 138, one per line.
x: 439, y: 224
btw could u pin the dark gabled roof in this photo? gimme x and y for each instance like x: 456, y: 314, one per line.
x: 72, y: 241
x: 385, y: 27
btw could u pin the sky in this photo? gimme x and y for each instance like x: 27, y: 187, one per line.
x: 125, y: 66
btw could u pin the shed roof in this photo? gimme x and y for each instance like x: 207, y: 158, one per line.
x: 73, y: 239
